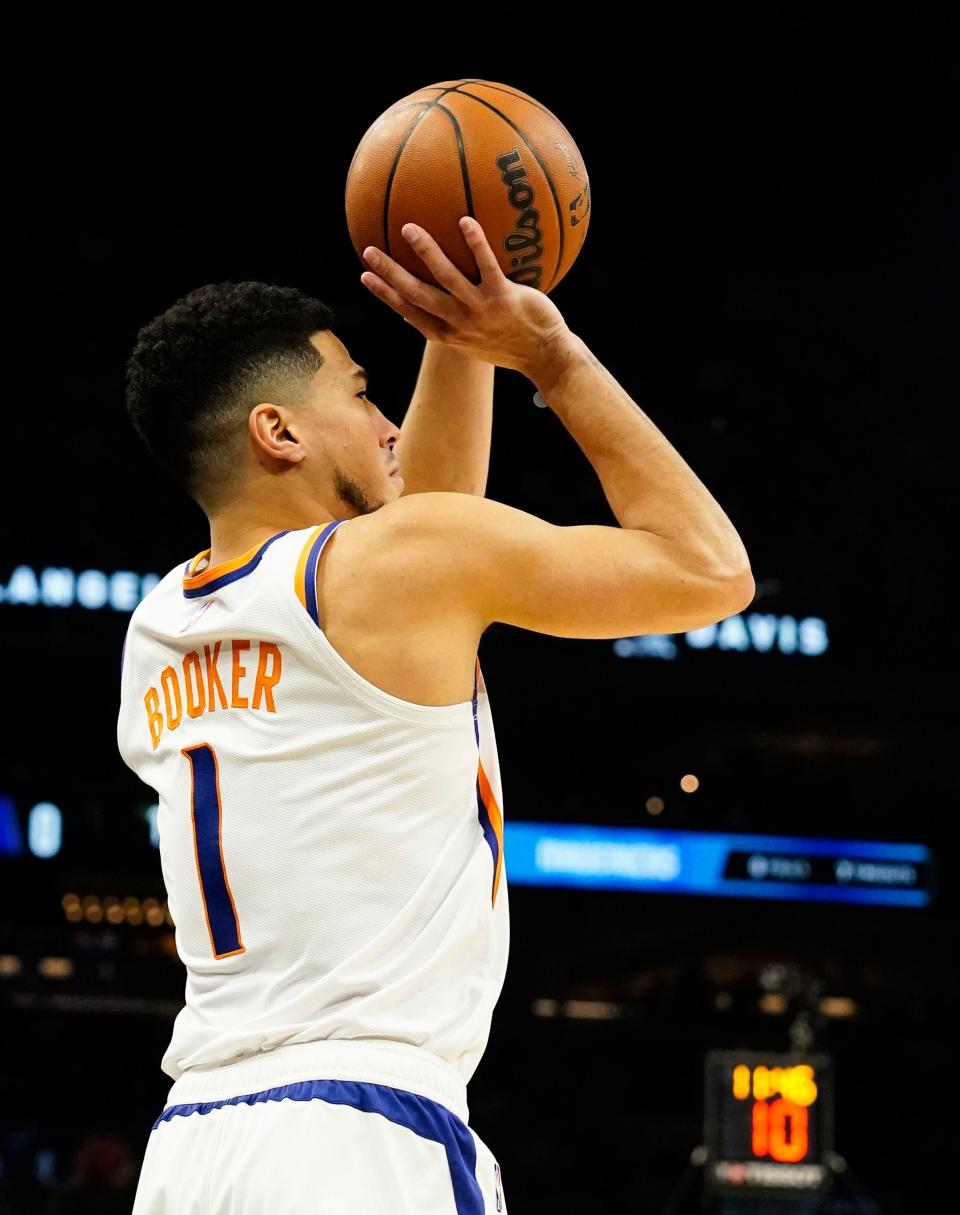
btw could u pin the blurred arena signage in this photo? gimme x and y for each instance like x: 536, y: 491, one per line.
x: 756, y: 632
x: 768, y: 1123
x: 59, y: 587
x: 44, y: 832
x: 701, y: 863
x: 641, y: 859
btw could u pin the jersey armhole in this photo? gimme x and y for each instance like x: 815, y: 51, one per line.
x: 336, y: 666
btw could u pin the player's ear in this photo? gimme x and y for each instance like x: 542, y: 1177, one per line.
x: 272, y: 433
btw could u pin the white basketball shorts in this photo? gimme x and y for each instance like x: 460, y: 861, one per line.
x: 321, y: 1128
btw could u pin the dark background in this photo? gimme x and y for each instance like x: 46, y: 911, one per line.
x: 771, y: 271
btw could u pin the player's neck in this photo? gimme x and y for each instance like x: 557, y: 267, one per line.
x: 246, y: 525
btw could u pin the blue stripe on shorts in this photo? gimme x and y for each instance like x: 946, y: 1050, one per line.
x: 426, y: 1118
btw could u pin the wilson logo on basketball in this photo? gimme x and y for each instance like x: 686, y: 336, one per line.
x: 524, y: 244
x: 582, y: 198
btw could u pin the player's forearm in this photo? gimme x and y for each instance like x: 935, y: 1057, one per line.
x: 647, y: 483
x: 445, y: 438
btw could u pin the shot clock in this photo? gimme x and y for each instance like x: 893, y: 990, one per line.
x: 768, y: 1123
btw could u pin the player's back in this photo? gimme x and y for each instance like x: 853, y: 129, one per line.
x: 332, y: 853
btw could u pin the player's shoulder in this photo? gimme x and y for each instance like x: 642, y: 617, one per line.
x: 159, y: 594
x: 430, y: 535
x: 429, y: 512
x: 147, y: 620
x: 434, y: 518
x: 413, y: 545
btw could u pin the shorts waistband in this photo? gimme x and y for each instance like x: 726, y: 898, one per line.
x: 394, y: 1064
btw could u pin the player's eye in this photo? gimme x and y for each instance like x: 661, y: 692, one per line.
x: 362, y: 395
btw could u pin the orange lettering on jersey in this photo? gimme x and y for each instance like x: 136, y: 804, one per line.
x: 213, y: 678
x: 171, y: 694
x: 265, y: 683
x: 196, y: 697
x: 239, y: 670
x: 200, y: 695
x: 154, y: 716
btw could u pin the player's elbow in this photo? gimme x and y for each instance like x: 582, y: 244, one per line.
x: 721, y: 582
x: 699, y: 602
x: 730, y: 595
x: 742, y: 591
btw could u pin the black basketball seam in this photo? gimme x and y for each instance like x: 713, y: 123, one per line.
x: 536, y: 155
x: 393, y: 172
x: 396, y: 160
x: 499, y: 88
x: 445, y: 88
x: 353, y: 159
x: 461, y: 151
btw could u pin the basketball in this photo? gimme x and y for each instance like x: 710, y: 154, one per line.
x: 471, y: 147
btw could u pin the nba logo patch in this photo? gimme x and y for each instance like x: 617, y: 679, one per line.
x: 207, y: 603
x: 499, y: 1180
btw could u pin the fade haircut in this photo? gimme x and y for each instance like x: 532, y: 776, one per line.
x: 198, y: 369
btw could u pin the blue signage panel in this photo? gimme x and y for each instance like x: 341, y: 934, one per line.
x: 738, y: 866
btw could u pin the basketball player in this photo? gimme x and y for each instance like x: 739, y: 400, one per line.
x: 305, y: 699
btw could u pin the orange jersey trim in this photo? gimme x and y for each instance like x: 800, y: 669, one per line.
x: 191, y: 581
x: 299, y: 578
x: 496, y: 821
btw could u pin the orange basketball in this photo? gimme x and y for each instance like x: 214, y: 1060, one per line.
x: 470, y: 147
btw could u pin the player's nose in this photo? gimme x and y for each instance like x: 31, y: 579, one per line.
x: 387, y: 432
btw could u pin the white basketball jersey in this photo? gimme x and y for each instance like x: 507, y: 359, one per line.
x: 333, y: 855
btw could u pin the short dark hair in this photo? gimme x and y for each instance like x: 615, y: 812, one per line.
x: 198, y: 369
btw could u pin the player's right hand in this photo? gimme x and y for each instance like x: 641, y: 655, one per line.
x: 496, y: 321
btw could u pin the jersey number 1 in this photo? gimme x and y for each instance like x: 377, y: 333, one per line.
x: 205, y: 810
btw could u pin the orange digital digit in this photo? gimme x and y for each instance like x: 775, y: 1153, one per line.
x: 760, y: 1124
x: 789, y: 1140
x: 802, y: 1087
x: 761, y: 1083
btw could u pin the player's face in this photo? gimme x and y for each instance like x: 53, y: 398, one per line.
x: 356, y: 439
